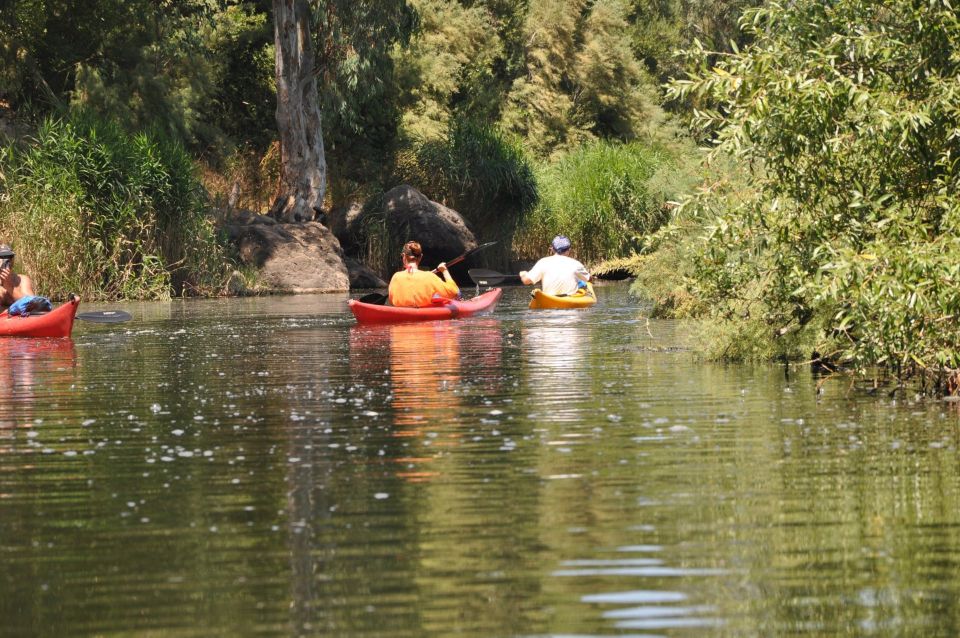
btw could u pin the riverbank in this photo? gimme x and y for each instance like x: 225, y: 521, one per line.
x: 95, y: 211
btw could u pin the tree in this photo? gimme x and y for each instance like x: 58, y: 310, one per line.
x: 345, y: 46
x: 360, y: 97
x: 453, y: 46
x: 539, y: 106
x: 304, y: 167
x: 143, y: 63
x: 582, y: 80
x: 844, y: 117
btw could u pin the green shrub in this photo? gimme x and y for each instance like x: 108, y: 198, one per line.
x: 843, y: 117
x: 93, y: 210
x: 606, y: 197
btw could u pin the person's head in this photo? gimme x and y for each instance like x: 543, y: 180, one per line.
x: 6, y: 256
x: 560, y: 244
x: 412, y: 253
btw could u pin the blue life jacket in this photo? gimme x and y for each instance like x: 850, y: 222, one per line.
x: 30, y: 304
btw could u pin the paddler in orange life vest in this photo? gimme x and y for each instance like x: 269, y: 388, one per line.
x: 14, y: 286
x: 415, y: 288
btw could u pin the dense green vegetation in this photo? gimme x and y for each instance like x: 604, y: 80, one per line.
x: 487, y: 105
x: 840, y: 236
x: 104, y: 214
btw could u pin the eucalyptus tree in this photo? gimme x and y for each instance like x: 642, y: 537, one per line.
x: 299, y: 120
x: 844, y: 117
x: 344, y: 46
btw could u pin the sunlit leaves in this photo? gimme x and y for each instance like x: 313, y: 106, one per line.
x: 844, y: 114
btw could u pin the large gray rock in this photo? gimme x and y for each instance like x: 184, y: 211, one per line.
x: 292, y: 258
x: 361, y: 276
x: 344, y: 221
x: 441, y: 231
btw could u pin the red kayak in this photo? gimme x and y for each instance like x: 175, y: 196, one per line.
x: 56, y: 323
x: 451, y: 309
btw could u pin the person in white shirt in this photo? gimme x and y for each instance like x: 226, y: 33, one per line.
x: 557, y: 274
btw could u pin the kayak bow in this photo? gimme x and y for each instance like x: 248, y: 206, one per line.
x: 56, y: 323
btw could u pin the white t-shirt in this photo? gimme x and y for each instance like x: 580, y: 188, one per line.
x: 558, y: 274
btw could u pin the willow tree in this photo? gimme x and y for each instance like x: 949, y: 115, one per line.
x: 844, y: 117
x: 304, y: 167
x: 582, y: 80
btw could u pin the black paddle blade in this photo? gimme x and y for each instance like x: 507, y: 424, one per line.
x: 375, y: 298
x: 105, y: 316
x: 484, y: 277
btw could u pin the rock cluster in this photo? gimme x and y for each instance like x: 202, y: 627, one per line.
x: 323, y: 256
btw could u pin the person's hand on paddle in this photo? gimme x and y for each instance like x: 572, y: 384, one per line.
x: 442, y: 270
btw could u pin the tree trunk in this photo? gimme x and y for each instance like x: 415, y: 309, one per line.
x: 303, y: 165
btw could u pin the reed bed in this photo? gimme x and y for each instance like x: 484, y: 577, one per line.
x: 92, y: 209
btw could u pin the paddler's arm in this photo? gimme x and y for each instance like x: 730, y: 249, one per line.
x: 448, y: 283
x: 525, y: 279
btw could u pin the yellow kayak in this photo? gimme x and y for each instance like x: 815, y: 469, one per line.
x: 583, y: 298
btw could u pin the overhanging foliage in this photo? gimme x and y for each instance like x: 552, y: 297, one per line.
x: 847, y: 116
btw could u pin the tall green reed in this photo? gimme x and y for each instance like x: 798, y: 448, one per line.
x: 606, y: 197
x: 94, y: 210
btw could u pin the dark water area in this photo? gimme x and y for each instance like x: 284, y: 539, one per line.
x: 267, y: 467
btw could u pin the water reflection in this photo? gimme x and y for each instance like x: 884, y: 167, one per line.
x: 429, y: 374
x: 425, y: 372
x: 33, y: 373
x: 224, y: 470
x: 555, y: 347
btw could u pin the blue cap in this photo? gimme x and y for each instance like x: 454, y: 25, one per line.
x: 560, y: 243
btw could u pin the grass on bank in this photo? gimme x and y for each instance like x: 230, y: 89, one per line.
x: 94, y: 210
x: 607, y: 197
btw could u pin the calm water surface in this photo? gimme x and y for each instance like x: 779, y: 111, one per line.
x: 267, y: 467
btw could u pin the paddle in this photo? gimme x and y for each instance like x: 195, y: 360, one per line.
x: 380, y: 298
x: 457, y: 260
x: 484, y: 277
x: 105, y: 316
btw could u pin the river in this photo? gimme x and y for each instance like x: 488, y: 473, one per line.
x: 266, y: 467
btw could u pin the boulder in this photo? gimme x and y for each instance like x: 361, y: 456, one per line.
x: 362, y: 276
x: 441, y: 231
x: 344, y: 221
x: 292, y: 258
